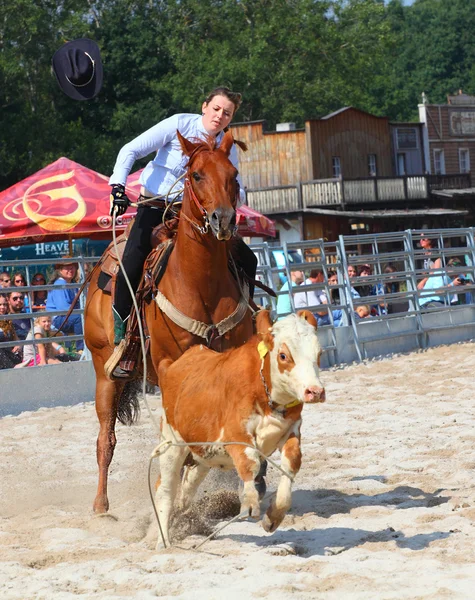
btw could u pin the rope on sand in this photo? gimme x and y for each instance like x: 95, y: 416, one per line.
x: 166, y: 445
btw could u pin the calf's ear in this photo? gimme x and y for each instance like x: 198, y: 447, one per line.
x: 308, y: 316
x: 264, y: 328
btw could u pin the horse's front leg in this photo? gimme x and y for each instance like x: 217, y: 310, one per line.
x: 247, y: 463
x: 290, y: 463
x: 106, y: 409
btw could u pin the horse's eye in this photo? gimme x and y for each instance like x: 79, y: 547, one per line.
x: 195, y: 176
x: 283, y: 356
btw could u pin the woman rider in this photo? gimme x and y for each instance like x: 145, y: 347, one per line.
x: 157, y: 178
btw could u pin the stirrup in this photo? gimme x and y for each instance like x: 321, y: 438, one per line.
x: 113, y: 362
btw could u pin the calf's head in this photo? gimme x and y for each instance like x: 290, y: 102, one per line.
x: 294, y: 357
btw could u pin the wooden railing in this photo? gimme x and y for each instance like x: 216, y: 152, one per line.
x: 342, y: 192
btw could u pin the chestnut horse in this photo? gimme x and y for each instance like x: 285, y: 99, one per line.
x: 197, y: 282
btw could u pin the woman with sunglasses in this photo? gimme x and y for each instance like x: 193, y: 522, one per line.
x: 39, y: 297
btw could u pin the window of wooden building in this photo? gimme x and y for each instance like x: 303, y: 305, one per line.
x: 336, y: 166
x: 372, y: 168
x: 406, y: 138
x: 464, y: 160
x: 401, y: 163
x: 439, y: 162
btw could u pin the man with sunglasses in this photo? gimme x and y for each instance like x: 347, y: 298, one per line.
x: 16, y: 302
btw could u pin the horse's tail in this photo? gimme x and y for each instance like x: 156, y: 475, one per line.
x: 128, y: 408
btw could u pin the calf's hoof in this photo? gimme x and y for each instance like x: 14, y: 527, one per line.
x: 272, y: 519
x: 268, y: 525
x: 252, y: 509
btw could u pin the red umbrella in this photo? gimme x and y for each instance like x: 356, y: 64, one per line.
x: 62, y: 200
x: 67, y: 200
x: 250, y: 222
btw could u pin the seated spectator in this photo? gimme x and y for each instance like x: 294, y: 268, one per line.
x: 5, y: 280
x: 16, y: 302
x: 362, y: 289
x: 391, y: 287
x: 363, y: 311
x: 19, y: 281
x: 283, y: 301
x: 463, y: 279
x: 431, y: 261
x: 312, y: 297
x: 9, y: 357
x: 39, y: 297
x: 323, y: 317
x: 61, y: 299
x: 41, y: 353
x: 433, y: 295
x: 351, y: 275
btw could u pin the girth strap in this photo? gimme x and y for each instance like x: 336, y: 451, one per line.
x: 208, y: 332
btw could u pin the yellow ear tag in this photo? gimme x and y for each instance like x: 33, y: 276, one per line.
x: 262, y: 349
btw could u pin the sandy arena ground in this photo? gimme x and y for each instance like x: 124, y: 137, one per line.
x: 383, y: 506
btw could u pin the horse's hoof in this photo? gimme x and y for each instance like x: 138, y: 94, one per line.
x: 101, y: 506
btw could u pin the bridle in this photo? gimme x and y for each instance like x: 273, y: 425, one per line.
x: 203, y: 229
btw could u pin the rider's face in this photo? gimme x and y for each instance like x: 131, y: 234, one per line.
x: 217, y: 114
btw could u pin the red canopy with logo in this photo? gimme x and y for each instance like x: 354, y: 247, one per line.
x: 67, y: 200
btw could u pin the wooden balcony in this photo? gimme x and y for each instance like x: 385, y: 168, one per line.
x: 340, y: 193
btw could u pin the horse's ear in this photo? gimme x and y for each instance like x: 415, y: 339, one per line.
x: 185, y: 144
x: 308, y: 316
x: 264, y: 328
x: 227, y: 143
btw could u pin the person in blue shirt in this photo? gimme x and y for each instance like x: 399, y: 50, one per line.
x: 158, y: 178
x: 61, y: 299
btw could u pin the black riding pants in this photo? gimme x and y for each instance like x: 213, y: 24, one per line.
x: 136, y: 250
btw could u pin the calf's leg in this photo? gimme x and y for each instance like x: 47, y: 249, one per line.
x: 290, y: 463
x: 171, y: 463
x: 192, y: 477
x: 247, y: 463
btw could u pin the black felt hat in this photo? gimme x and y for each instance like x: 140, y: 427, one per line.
x: 78, y: 69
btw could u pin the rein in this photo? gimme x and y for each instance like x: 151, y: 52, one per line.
x: 204, y: 229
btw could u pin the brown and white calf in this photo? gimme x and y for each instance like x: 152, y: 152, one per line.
x: 252, y: 394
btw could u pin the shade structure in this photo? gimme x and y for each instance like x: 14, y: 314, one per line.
x: 65, y: 199
x: 68, y: 200
x: 251, y: 223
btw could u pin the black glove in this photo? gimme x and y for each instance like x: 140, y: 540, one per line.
x: 118, y: 199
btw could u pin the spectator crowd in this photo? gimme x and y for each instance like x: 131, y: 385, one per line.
x: 27, y: 323
x: 371, y: 289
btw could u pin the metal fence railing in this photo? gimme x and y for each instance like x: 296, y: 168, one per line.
x: 392, y: 290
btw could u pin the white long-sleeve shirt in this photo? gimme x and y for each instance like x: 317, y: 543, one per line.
x: 169, y: 163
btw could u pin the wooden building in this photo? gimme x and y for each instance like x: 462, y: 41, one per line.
x: 348, y: 172
x: 449, y: 135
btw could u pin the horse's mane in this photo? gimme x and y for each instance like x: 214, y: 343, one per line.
x: 209, y: 144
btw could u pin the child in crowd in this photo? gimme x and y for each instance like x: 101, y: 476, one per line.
x: 41, y: 353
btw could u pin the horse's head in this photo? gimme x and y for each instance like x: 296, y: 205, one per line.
x: 211, y: 185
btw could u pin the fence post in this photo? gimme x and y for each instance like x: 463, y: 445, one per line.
x: 341, y: 185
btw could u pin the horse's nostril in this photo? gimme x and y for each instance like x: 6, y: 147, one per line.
x: 214, y: 216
